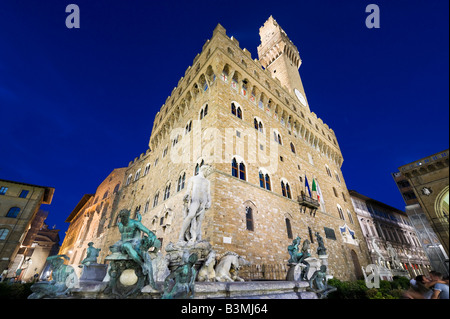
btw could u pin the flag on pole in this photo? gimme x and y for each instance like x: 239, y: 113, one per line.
x: 314, y: 188
x: 319, y: 194
x: 307, y: 186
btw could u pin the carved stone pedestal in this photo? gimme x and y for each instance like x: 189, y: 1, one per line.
x: 93, y: 273
x: 293, y: 270
x: 175, y: 253
x: 125, y: 276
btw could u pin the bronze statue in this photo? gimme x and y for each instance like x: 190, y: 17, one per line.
x: 131, y: 252
x: 180, y: 283
x: 63, y: 279
x: 299, y: 257
x: 91, y: 255
x: 130, y: 241
x: 321, y: 250
x: 318, y: 283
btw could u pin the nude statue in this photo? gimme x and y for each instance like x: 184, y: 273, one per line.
x: 394, y: 256
x: 196, y: 201
x: 180, y: 283
x: 377, y: 250
x: 130, y: 241
x: 318, y: 283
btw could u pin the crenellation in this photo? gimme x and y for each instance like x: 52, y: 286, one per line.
x: 235, y: 41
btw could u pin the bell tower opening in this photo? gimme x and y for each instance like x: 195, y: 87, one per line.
x: 281, y: 57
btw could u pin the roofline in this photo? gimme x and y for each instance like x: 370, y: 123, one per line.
x: 48, y: 191
x: 78, y: 207
x: 371, y: 200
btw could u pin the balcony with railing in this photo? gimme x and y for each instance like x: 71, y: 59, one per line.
x: 308, y: 202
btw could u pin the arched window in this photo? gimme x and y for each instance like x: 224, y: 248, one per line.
x: 13, y: 212
x: 147, y: 168
x: 285, y: 189
x: 128, y: 180
x: 137, y: 211
x: 167, y: 192
x: 258, y: 125
x: 350, y: 216
x: 236, y: 110
x: 204, y: 112
x: 268, y: 182
x: 239, y: 113
x: 328, y: 170
x: 264, y: 180
x: 277, y: 137
x: 337, y: 176
x: 249, y: 218
x: 188, y: 127
x: 116, y: 188
x: 105, y: 195
x: 292, y: 148
x: 138, y: 173
x: 181, y: 181
x: 238, y: 168
x: 155, y: 199
x: 242, y: 171
x: 234, y: 168
x: 341, y: 213
x: 289, y: 228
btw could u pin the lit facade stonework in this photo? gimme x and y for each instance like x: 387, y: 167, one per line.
x: 90, y: 220
x: 248, y: 119
x: 383, y: 225
x: 424, y: 185
x: 19, y: 212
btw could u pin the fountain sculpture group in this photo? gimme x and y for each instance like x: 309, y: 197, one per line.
x: 384, y: 269
x: 137, y: 269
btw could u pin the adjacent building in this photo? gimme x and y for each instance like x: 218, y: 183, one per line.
x: 276, y: 166
x: 20, y: 222
x: 91, y: 219
x: 384, y: 227
x: 424, y: 185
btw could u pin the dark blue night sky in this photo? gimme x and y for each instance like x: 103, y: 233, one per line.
x: 77, y: 103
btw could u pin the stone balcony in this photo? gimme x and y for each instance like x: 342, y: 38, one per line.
x: 308, y: 202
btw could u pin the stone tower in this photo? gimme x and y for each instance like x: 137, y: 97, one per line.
x: 280, y: 56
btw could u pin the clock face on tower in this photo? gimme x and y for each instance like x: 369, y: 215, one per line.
x: 300, y: 97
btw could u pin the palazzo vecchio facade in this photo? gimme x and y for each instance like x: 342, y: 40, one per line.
x: 276, y: 167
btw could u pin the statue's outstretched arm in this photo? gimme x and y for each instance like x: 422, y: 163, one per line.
x: 144, y: 229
